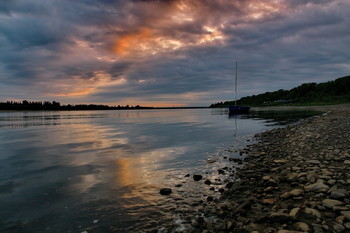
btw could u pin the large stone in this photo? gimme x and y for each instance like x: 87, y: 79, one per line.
x: 318, y: 187
x: 346, y: 214
x: 330, y: 203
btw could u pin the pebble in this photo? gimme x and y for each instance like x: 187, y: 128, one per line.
x: 313, y: 212
x: 197, y: 177
x: 208, y: 182
x: 301, y: 226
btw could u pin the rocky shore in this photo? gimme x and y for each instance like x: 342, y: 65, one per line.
x: 295, y: 179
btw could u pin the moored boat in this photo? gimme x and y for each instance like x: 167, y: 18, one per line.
x: 237, y: 109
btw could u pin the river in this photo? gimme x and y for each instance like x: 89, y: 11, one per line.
x: 101, y: 171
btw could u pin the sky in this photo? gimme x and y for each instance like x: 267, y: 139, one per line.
x: 168, y: 52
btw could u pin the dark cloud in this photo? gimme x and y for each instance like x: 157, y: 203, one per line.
x: 184, y: 51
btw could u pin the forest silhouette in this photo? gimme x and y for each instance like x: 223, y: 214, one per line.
x: 48, y: 105
x: 332, y: 92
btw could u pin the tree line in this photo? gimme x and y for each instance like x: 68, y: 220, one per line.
x: 48, y: 105
x: 332, y: 92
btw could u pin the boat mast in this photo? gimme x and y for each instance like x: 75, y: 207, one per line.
x: 236, y: 86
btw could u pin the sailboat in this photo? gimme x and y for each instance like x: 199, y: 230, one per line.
x: 235, y: 109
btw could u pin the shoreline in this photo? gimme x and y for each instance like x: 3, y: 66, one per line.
x: 294, y: 179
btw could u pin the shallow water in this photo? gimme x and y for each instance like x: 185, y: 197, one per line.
x: 101, y: 171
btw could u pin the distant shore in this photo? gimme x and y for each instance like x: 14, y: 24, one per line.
x: 295, y: 179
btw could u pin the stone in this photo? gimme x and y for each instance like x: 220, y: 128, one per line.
x: 287, y: 231
x: 221, y: 172
x: 340, y: 219
x: 312, y: 177
x: 294, y: 212
x: 296, y: 192
x: 165, y: 191
x: 280, y: 161
x: 338, y: 228
x: 318, y: 187
x: 300, y: 226
x: 331, y: 182
x: 269, y: 201
x: 313, y: 161
x: 285, y: 195
x: 197, y: 177
x: 347, y: 225
x: 210, y: 198
x: 313, y: 212
x: 280, y: 217
x: 292, y: 177
x: 339, y: 194
x: 330, y: 203
x: 317, y: 228
x: 346, y: 214
x: 229, y: 225
x: 208, y: 182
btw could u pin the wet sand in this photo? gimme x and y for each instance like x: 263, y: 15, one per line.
x: 294, y: 179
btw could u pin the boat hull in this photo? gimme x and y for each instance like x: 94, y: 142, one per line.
x: 238, y: 109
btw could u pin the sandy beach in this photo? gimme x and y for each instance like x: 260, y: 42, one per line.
x: 294, y: 179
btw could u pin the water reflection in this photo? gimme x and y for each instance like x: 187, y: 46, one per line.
x: 281, y: 117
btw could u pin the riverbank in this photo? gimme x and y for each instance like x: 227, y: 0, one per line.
x: 295, y: 179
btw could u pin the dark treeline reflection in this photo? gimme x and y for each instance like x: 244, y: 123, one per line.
x: 281, y: 117
x: 48, y: 105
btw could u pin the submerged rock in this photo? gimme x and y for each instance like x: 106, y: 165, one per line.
x: 165, y: 191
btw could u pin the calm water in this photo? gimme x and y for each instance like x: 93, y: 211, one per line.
x: 101, y: 171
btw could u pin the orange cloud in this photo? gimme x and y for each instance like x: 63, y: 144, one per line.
x: 171, y: 25
x: 126, y: 44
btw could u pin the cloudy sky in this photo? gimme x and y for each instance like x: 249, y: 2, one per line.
x: 168, y: 52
